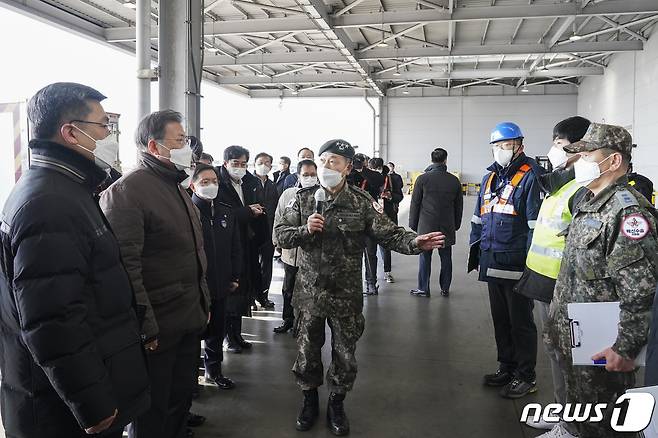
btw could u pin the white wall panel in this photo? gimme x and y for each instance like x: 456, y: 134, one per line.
x: 461, y: 125
x: 626, y: 95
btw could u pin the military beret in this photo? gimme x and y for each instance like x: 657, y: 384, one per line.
x: 601, y: 136
x: 338, y: 147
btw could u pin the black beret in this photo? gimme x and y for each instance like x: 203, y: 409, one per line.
x: 338, y: 147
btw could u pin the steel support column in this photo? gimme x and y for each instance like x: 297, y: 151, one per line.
x: 179, y: 51
x: 143, y: 50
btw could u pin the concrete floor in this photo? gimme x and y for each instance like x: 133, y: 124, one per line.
x: 421, y: 363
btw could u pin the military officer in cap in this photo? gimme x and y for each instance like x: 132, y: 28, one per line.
x: 611, y: 255
x: 331, y: 236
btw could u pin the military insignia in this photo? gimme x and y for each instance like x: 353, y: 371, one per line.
x: 341, y: 146
x: 223, y: 223
x: 626, y: 199
x: 291, y: 203
x: 635, y: 226
x: 377, y: 206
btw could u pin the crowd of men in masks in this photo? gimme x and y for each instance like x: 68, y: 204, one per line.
x: 109, y: 282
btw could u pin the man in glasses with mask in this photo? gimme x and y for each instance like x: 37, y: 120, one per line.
x: 329, y: 224
x: 161, y: 242
x: 611, y: 254
x: 72, y: 360
x: 502, y: 225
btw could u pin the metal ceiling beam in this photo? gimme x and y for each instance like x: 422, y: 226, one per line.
x: 348, y: 8
x: 305, y: 24
x: 316, y: 92
x: 615, y: 28
x: 267, y: 7
x: 437, y: 75
x: 267, y: 44
x: 213, y: 5
x: 317, y: 11
x: 423, y: 52
x: 391, y: 37
x: 624, y: 29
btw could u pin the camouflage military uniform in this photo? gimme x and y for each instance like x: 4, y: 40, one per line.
x: 605, y: 260
x: 328, y: 285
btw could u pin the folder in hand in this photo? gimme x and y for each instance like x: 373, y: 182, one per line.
x: 594, y: 327
x: 474, y: 256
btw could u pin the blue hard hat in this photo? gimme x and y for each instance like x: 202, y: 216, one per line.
x: 505, y: 131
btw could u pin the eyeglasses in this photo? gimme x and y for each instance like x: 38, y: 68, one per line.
x: 111, y: 127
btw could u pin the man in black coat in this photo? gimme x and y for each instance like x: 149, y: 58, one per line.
x: 391, y: 197
x: 280, y: 175
x: 436, y: 205
x: 72, y: 357
x: 268, y: 197
x: 239, y: 189
x: 396, y: 178
x: 221, y: 240
x: 292, y: 179
x: 373, y: 184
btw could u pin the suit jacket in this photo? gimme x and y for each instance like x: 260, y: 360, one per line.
x: 437, y: 203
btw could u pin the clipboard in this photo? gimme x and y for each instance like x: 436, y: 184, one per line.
x: 593, y: 328
x: 474, y: 256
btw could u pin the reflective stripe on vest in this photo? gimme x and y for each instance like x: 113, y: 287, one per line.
x: 502, y: 204
x: 547, y: 248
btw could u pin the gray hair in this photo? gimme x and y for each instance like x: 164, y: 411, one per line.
x: 153, y: 126
x: 57, y: 104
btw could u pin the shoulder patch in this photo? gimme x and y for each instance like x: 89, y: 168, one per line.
x: 291, y: 203
x: 626, y: 199
x: 635, y: 226
x: 378, y: 207
x: 359, y: 191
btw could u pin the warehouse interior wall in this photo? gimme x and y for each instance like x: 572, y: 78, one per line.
x: 462, y: 124
x: 627, y: 95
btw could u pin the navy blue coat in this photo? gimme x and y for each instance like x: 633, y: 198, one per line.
x: 505, y: 239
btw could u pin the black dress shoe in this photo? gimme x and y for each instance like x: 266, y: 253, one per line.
x: 445, y: 293
x: 267, y: 304
x: 336, y: 417
x: 309, y: 412
x: 285, y: 327
x: 221, y: 382
x: 499, y: 378
x: 234, y: 348
x: 195, y: 420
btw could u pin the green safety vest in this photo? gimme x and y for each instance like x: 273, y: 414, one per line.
x: 547, y: 248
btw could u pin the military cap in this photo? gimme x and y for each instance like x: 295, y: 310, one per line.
x: 601, y: 136
x: 338, y: 147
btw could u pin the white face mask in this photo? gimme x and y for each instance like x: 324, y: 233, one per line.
x: 236, y: 172
x: 588, y: 171
x: 106, y: 152
x: 263, y: 169
x: 557, y: 156
x: 308, y: 181
x: 181, y: 158
x: 329, y: 178
x: 503, y: 156
x: 208, y: 192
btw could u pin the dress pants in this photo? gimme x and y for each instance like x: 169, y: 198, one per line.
x: 559, y: 380
x: 213, y: 353
x: 173, y: 374
x: 386, y: 253
x: 265, y: 261
x: 370, y: 257
x: 289, y: 276
x: 425, y: 269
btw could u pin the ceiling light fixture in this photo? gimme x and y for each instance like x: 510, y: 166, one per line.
x: 524, y: 89
x: 405, y: 91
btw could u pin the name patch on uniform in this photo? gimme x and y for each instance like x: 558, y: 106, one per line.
x: 377, y: 206
x: 635, y: 226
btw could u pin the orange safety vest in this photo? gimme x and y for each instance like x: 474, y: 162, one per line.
x: 502, y: 205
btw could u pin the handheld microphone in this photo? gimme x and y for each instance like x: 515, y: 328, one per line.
x: 320, y: 198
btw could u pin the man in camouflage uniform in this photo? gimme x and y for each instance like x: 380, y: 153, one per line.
x: 611, y: 255
x: 328, y: 286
